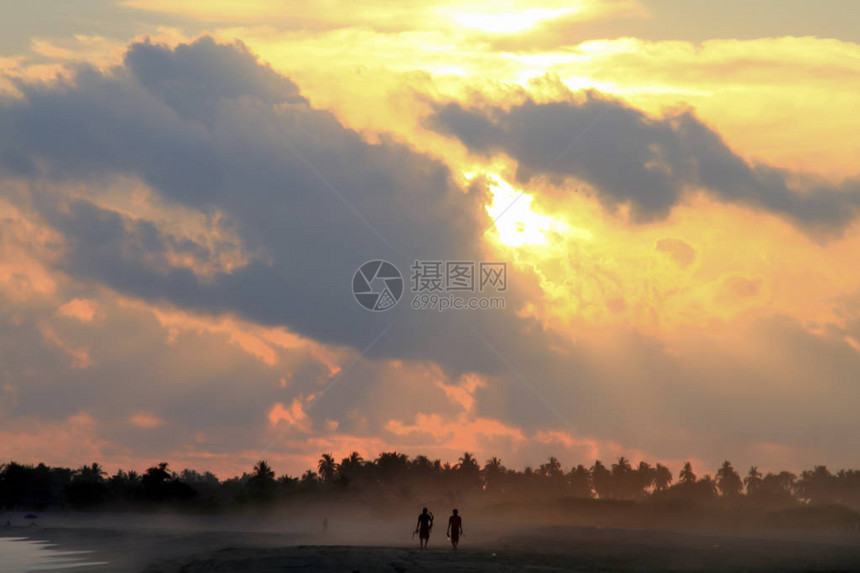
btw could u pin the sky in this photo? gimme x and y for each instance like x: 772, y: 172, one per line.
x: 187, y: 190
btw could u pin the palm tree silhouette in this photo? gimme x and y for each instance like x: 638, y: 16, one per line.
x: 601, y: 480
x: 817, y: 485
x: 728, y: 481
x: 687, y: 475
x: 350, y: 468
x: 263, y: 472
x: 662, y: 477
x: 467, y: 462
x: 621, y: 482
x: 261, y: 484
x: 753, y: 480
x: 644, y: 478
x: 579, y: 481
x: 327, y: 468
x: 494, y: 464
x: 494, y: 474
x: 93, y: 473
x: 552, y: 468
x: 468, y: 471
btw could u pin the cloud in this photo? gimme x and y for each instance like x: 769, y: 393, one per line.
x: 80, y: 355
x: 649, y: 164
x: 419, y: 15
x: 211, y: 132
x: 145, y: 420
x: 193, y: 78
x: 292, y: 415
x: 79, y: 308
x: 72, y: 441
x: 219, y: 263
x: 681, y: 252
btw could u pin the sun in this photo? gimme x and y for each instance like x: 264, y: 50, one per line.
x: 515, y: 223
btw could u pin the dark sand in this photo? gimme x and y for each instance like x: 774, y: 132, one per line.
x: 555, y: 549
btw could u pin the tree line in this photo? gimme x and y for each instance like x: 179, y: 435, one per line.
x: 393, y: 475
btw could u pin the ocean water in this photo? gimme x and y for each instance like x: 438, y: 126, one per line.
x: 20, y: 555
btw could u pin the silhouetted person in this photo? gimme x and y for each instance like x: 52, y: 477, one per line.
x: 425, y: 524
x: 325, y: 525
x: 455, y: 528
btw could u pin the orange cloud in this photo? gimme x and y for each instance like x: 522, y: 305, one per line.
x: 80, y: 308
x: 70, y: 442
x: 80, y: 355
x: 463, y: 392
x: 145, y: 420
x: 293, y: 415
x: 456, y: 434
x: 28, y: 247
x: 263, y: 343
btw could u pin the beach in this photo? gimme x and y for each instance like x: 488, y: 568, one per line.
x: 169, y: 543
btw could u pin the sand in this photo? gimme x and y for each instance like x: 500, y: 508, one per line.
x: 546, y: 550
x: 167, y: 544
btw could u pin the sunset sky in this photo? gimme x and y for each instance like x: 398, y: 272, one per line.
x: 188, y: 187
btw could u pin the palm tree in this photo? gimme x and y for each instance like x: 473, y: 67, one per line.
x: 817, y: 485
x: 327, y: 468
x: 753, y: 480
x: 263, y: 471
x: 261, y: 484
x: 392, y: 464
x: 468, y: 471
x: 156, y: 475
x: 601, y: 480
x: 621, y: 474
x: 728, y: 481
x: 776, y: 487
x: 687, y: 475
x: 579, y: 479
x: 494, y: 464
x: 87, y: 485
x: 645, y: 476
x: 309, y: 481
x: 662, y: 477
x: 355, y: 459
x: 350, y: 468
x: 494, y: 474
x: 93, y: 473
x: 467, y: 462
x: 552, y: 468
x: 421, y: 465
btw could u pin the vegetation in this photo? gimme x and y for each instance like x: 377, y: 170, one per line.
x: 395, y: 476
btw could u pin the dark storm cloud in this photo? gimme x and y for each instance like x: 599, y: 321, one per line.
x: 210, y: 128
x: 647, y: 163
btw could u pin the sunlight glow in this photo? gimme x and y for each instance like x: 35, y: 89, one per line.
x: 517, y: 224
x: 508, y: 22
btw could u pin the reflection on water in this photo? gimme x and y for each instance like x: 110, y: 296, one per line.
x: 19, y: 555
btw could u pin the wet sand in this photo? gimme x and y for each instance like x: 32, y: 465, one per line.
x: 559, y: 549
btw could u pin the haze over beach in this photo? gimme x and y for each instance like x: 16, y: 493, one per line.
x: 276, y: 275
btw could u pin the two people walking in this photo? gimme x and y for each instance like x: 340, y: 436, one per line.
x: 425, y: 524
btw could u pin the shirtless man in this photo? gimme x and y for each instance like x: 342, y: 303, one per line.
x: 455, y: 528
x: 425, y: 524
